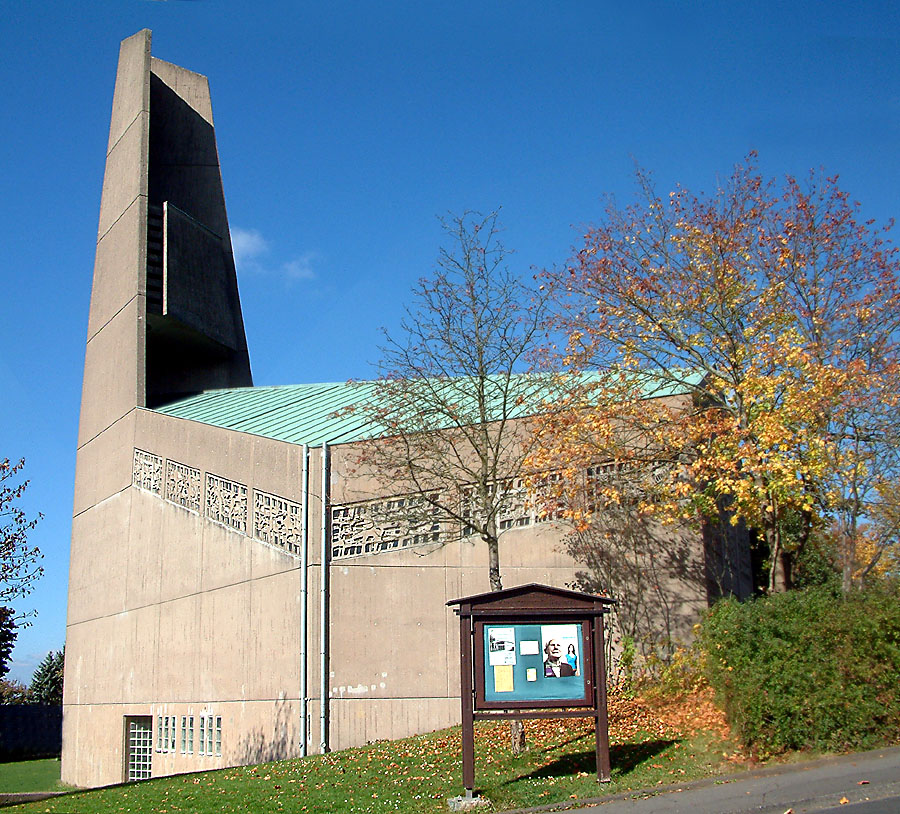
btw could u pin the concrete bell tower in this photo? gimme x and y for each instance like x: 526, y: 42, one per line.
x: 165, y: 317
x: 165, y: 321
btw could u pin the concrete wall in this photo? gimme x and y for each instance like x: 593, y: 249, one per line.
x: 173, y: 614
x: 395, y: 644
x: 196, y: 339
x: 394, y: 667
x: 114, y: 355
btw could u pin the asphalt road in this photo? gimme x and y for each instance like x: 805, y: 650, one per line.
x: 866, y: 782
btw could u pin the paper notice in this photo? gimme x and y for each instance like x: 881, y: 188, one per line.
x: 529, y: 648
x: 531, y: 674
x: 503, y: 678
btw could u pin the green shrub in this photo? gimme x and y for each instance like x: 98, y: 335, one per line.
x: 684, y: 673
x: 808, y: 669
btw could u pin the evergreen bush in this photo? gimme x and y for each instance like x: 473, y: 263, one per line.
x: 47, y: 681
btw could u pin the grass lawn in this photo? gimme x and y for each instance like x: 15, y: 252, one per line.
x: 651, y: 746
x: 29, y: 775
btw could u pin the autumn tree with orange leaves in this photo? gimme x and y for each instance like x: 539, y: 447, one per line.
x: 19, y: 568
x: 747, y: 343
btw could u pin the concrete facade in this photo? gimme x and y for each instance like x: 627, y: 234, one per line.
x: 196, y: 593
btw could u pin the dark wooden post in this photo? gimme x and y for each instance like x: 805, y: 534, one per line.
x: 465, y: 694
x: 601, y: 722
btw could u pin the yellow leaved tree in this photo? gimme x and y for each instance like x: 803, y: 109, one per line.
x: 746, y: 351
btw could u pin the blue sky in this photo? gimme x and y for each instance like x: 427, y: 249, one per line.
x: 345, y: 128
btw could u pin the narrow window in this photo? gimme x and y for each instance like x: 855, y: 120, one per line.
x: 190, y: 743
x: 209, y: 735
x: 202, y: 749
x: 166, y: 734
x: 159, y: 734
x: 218, y: 735
x: 183, y: 734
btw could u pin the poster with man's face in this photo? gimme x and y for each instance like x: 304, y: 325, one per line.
x: 560, y: 645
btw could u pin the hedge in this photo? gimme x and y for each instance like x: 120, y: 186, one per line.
x: 808, y: 669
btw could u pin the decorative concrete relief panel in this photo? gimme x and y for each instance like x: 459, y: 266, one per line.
x: 226, y: 502
x: 183, y: 485
x: 624, y: 483
x: 516, y: 505
x: 373, y: 527
x: 544, y: 492
x: 277, y: 521
x: 148, y: 472
x: 520, y: 504
x: 515, y: 508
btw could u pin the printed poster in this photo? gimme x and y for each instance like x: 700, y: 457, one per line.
x: 501, y: 646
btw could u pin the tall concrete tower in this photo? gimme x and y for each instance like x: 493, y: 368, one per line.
x: 165, y: 318
x: 165, y: 321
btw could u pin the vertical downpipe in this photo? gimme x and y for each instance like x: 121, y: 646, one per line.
x: 323, y: 610
x: 304, y: 601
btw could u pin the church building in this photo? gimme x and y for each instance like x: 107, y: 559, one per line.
x: 238, y: 592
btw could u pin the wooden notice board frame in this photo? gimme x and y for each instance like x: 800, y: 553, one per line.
x: 510, y: 667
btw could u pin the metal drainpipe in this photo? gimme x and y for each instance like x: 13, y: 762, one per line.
x: 323, y: 610
x: 304, y: 599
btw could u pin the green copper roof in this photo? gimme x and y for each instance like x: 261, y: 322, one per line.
x: 333, y: 412
x: 296, y: 413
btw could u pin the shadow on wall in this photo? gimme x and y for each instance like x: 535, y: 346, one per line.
x: 280, y: 742
x: 656, y: 573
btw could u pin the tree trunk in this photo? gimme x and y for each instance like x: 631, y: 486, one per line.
x: 847, y: 552
x: 517, y: 736
x: 494, y: 563
x: 779, y: 562
x: 516, y: 728
x: 846, y: 577
x: 787, y: 570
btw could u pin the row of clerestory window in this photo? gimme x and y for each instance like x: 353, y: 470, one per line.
x: 208, y: 728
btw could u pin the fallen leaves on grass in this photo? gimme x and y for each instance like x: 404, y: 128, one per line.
x: 689, y: 714
x: 629, y: 719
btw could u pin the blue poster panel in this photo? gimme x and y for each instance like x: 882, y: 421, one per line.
x: 533, y: 662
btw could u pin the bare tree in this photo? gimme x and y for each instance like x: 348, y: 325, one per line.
x: 453, y: 398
